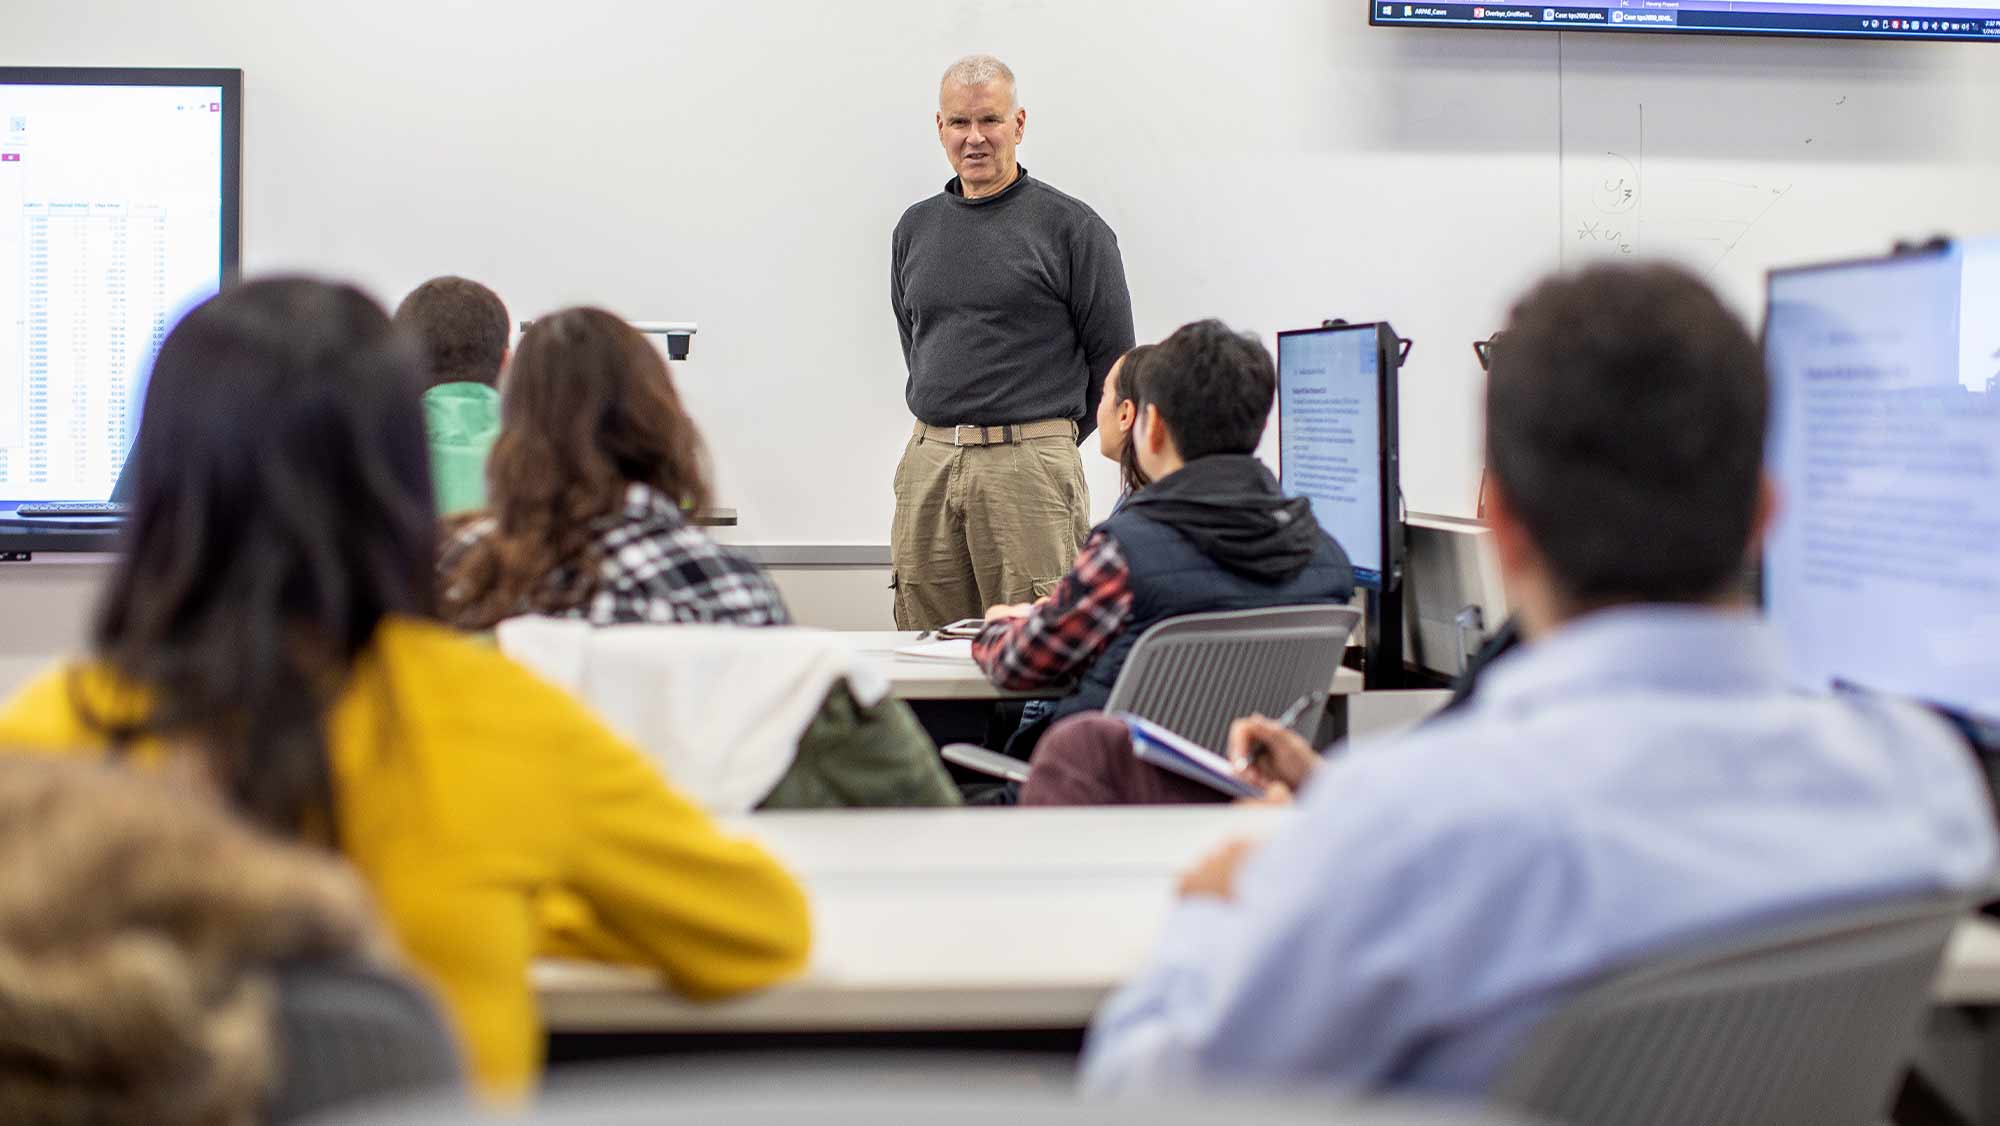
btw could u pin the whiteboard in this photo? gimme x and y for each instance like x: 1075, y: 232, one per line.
x: 740, y: 164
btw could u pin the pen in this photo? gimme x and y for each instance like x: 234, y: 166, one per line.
x: 1292, y: 714
x: 1286, y: 719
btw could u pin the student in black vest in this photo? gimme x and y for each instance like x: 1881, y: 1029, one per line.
x: 1211, y: 532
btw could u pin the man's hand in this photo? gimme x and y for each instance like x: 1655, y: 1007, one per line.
x: 1008, y: 613
x: 1215, y: 876
x: 1271, y: 755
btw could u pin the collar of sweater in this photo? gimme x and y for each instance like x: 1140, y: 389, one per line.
x: 956, y: 190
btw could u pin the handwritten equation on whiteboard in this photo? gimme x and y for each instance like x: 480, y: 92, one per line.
x: 1621, y: 200
x: 1615, y: 199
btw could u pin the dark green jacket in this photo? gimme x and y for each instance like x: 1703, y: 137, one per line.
x: 854, y: 756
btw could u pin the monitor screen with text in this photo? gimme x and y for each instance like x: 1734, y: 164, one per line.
x: 111, y: 226
x: 1882, y: 570
x: 1330, y: 436
x: 1962, y: 20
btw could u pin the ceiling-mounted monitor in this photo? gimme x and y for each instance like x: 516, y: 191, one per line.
x: 1967, y: 20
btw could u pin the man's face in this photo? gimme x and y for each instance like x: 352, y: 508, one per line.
x: 979, y: 127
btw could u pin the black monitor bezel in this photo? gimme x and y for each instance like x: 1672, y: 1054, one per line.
x: 230, y: 251
x: 1388, y: 361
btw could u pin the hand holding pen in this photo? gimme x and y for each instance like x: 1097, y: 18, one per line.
x: 1270, y: 753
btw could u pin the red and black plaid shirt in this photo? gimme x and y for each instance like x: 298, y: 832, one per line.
x: 1069, y: 629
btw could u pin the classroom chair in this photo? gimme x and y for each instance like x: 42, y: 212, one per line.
x: 1805, y: 1024
x: 1197, y: 673
x: 349, y: 1034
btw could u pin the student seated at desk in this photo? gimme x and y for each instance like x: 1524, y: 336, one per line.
x: 1637, y: 778
x: 1117, y: 412
x: 592, y: 483
x: 142, y: 932
x: 461, y: 328
x: 1211, y: 532
x: 593, y: 479
x: 271, y: 626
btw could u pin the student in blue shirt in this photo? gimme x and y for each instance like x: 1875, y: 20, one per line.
x: 1636, y: 778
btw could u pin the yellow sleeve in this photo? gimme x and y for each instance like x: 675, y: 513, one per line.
x: 42, y: 716
x: 665, y: 886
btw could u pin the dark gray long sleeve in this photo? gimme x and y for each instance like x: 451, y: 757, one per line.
x: 1010, y: 308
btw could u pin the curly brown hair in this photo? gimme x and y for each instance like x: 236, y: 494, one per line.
x: 140, y: 929
x: 587, y: 408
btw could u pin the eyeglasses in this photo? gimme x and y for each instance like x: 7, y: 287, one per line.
x: 1484, y: 350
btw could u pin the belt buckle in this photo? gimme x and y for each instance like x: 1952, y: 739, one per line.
x: 956, y: 439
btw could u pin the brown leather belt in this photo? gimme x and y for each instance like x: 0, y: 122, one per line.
x: 1003, y: 435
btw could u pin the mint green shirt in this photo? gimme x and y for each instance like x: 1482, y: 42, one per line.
x: 462, y: 420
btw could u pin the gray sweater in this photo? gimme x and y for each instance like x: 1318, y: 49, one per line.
x: 1011, y: 307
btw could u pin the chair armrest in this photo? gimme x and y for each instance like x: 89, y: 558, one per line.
x: 985, y: 761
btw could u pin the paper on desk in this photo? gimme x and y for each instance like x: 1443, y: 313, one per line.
x: 938, y: 650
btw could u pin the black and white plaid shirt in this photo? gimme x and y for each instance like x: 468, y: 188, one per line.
x: 656, y: 567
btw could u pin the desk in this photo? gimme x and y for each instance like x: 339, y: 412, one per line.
x: 916, y: 678
x: 986, y: 919
x: 939, y: 920
x: 1971, y: 971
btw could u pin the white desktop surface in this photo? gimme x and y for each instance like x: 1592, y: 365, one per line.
x: 918, y: 678
x: 1971, y: 971
x: 939, y: 919
x: 987, y: 919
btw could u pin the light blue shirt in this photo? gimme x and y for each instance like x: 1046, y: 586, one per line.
x: 1639, y: 779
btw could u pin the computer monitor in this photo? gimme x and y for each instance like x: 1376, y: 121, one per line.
x: 1337, y: 431
x: 1966, y: 21
x: 1337, y: 438
x: 120, y: 194
x: 1882, y: 571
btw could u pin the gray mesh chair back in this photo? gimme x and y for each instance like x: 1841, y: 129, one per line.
x: 1194, y: 674
x: 351, y: 1033
x: 1805, y: 1025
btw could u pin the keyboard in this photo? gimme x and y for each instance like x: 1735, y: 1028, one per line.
x: 72, y: 508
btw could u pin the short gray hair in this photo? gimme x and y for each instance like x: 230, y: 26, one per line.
x: 978, y: 70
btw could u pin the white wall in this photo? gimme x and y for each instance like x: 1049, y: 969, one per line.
x: 741, y: 162
x: 47, y: 608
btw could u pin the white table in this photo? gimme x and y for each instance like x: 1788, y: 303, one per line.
x: 917, y: 678
x: 1971, y: 972
x: 939, y: 920
x: 920, y: 678
x: 966, y: 919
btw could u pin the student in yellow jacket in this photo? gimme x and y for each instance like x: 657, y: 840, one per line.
x: 269, y: 624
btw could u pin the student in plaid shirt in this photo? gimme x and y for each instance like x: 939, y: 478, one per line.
x: 590, y: 483
x: 1211, y: 532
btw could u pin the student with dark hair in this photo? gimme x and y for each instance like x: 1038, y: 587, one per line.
x: 1637, y: 778
x: 1211, y: 532
x: 461, y: 328
x: 270, y: 626
x: 1117, y: 412
x: 595, y: 477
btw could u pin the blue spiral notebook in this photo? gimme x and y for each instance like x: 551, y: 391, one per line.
x: 1162, y: 748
